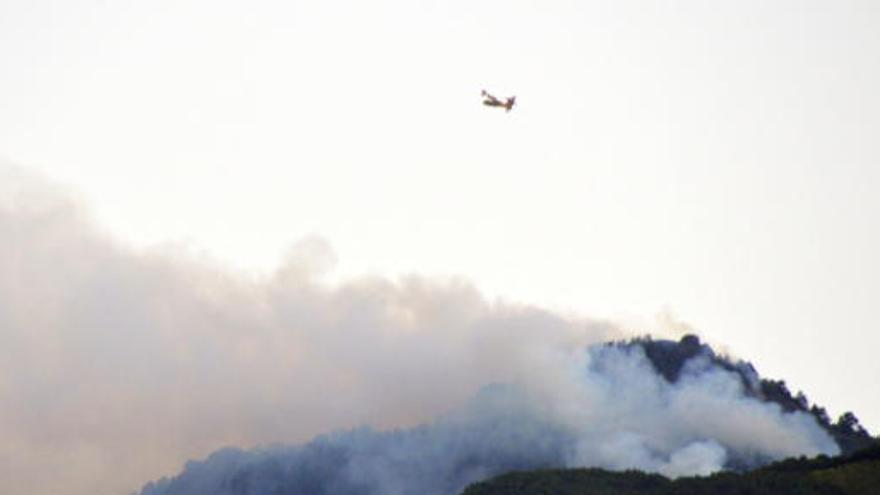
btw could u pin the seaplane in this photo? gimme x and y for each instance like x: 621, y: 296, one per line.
x: 491, y: 101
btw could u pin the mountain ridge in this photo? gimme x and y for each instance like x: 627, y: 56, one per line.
x: 674, y: 408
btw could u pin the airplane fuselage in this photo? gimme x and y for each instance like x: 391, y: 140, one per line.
x: 491, y: 101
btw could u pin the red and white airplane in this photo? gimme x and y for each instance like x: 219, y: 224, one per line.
x: 491, y: 101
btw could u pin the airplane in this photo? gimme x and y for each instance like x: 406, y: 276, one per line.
x: 491, y: 101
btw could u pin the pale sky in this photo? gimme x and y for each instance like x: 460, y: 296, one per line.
x: 718, y: 160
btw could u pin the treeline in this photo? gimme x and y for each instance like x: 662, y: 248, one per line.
x: 824, y: 462
x: 856, y: 474
x: 599, y: 482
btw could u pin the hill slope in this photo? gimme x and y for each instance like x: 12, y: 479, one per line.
x: 674, y: 408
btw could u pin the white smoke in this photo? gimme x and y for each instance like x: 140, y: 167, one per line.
x: 116, y: 366
x: 631, y: 417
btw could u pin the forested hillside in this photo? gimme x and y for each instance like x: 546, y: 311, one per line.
x: 855, y: 474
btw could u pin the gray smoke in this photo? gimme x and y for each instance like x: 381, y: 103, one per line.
x: 116, y: 366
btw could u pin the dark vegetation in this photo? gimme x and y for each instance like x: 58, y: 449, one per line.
x: 670, y: 358
x: 854, y: 474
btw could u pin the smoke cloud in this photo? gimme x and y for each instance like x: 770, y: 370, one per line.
x: 117, y: 366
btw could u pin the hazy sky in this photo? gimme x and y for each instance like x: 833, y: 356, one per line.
x: 718, y: 160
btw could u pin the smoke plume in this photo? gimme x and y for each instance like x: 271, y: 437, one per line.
x: 116, y: 366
